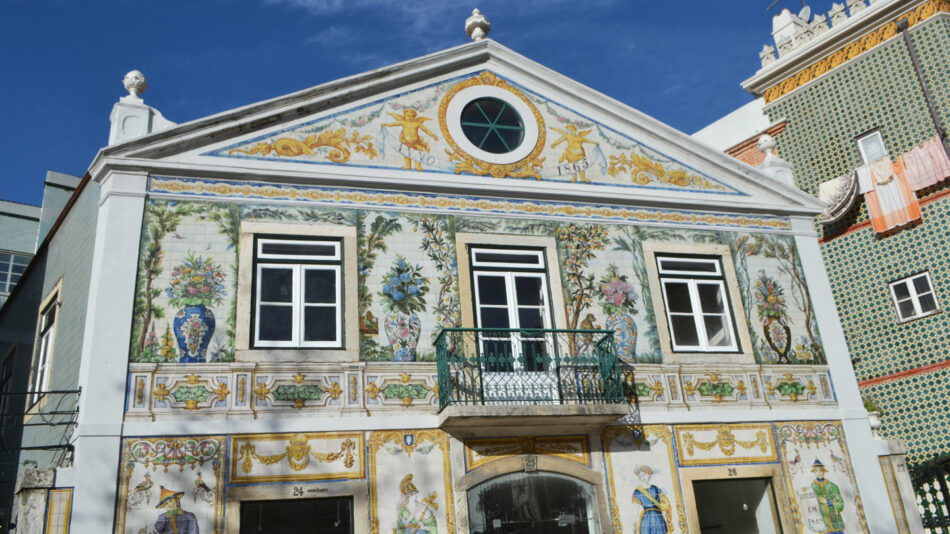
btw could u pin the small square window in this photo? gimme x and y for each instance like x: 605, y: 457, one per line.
x: 914, y: 297
x: 298, y: 295
x: 871, y: 146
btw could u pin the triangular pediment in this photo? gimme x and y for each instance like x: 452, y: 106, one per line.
x: 476, y: 116
x: 422, y: 130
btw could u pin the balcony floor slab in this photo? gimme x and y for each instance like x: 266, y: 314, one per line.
x: 515, y: 420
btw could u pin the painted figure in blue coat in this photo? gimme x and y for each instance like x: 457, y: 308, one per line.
x: 174, y: 520
x: 655, y: 518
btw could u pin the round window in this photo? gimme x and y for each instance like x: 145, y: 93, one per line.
x: 492, y: 125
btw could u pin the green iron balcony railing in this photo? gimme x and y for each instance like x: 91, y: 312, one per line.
x: 491, y: 366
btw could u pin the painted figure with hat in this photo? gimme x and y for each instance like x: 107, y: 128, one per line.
x: 174, y: 520
x: 419, y: 516
x: 655, y: 518
x: 830, y: 503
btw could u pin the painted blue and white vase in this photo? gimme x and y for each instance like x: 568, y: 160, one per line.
x: 403, y: 332
x: 625, y: 335
x: 193, y: 327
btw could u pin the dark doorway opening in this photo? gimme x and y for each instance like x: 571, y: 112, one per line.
x: 736, y: 506
x: 298, y: 516
x: 533, y: 503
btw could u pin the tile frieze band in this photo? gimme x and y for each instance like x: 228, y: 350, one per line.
x: 355, y: 198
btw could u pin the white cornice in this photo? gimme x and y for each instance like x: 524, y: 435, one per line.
x: 412, y: 182
x: 853, y: 28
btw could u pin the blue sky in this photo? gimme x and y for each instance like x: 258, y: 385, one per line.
x: 680, y: 61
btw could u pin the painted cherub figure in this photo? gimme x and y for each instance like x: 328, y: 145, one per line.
x: 412, y: 124
x: 574, y: 151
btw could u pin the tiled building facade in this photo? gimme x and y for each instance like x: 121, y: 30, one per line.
x: 879, y: 88
x: 838, y: 79
x: 353, y: 307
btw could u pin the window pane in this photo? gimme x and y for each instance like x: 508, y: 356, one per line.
x: 319, y: 286
x: 528, y: 290
x: 921, y: 284
x: 18, y: 269
x: 684, y: 330
x: 719, y: 335
x: 319, y: 323
x: 906, y: 309
x: 533, y: 355
x: 21, y: 260
x: 710, y: 298
x: 49, y: 317
x: 677, y: 297
x: 530, y: 318
x: 4, y: 258
x: 927, y: 303
x: 275, y: 323
x: 494, y: 318
x: 492, y: 290
x: 276, y: 284
x: 901, y: 291
x: 302, y: 248
x: 520, y: 258
x: 873, y: 146
x: 497, y: 356
x: 707, y: 266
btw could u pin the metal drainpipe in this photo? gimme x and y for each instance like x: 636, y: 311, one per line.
x: 902, y: 26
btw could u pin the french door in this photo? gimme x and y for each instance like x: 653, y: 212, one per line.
x: 511, y: 295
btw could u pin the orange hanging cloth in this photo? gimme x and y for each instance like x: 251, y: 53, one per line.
x: 891, y: 201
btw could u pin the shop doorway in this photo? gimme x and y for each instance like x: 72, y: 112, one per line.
x: 533, y: 503
x: 736, y: 506
x: 298, y: 516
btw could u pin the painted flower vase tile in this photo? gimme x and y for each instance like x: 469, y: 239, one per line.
x: 770, y: 302
x: 193, y: 327
x: 618, y: 300
x: 403, y: 297
x: 197, y: 285
x: 403, y: 331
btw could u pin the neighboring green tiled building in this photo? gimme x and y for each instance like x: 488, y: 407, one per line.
x: 832, y: 83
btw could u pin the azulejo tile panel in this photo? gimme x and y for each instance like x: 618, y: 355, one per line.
x: 175, y: 480
x: 640, y: 471
x: 297, y: 457
x: 188, y: 292
x: 162, y: 391
x: 819, y: 477
x: 410, y: 475
x: 481, y: 451
x: 725, y: 444
x: 418, y: 130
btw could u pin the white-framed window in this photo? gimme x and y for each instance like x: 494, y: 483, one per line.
x: 696, y: 303
x: 510, y: 287
x: 12, y: 266
x: 45, y: 338
x: 298, y: 292
x: 871, y: 146
x: 914, y: 297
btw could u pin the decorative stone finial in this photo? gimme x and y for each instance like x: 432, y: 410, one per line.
x: 134, y: 83
x: 837, y: 14
x: 477, y: 26
x: 820, y: 25
x: 766, y: 144
x: 767, y: 55
x: 856, y: 6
